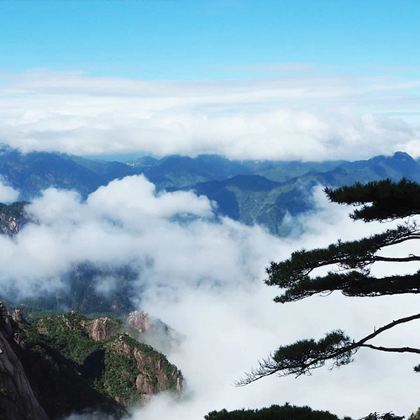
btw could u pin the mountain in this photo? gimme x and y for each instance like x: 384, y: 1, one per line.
x: 252, y: 192
x: 281, y: 171
x: 98, y: 362
x: 12, y: 218
x: 33, y: 172
x: 180, y: 171
x: 83, y: 292
x: 253, y: 199
x: 61, y: 364
x: 399, y: 165
x: 17, y: 398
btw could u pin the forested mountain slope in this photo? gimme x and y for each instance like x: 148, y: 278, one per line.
x: 60, y: 364
x: 252, y: 192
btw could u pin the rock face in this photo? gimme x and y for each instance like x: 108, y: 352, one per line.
x: 153, y: 372
x: 12, y: 218
x: 117, y: 366
x: 139, y: 320
x: 152, y: 331
x: 17, y: 399
x: 102, y: 328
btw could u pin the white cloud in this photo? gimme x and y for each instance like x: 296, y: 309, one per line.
x: 233, y: 326
x: 204, y: 278
x: 7, y: 193
x: 136, y: 196
x: 290, y: 118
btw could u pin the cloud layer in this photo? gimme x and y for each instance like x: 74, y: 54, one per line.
x: 311, y: 118
x: 203, y: 277
x: 235, y: 325
x: 7, y: 193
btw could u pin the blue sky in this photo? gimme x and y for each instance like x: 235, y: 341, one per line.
x: 248, y: 79
x: 213, y: 39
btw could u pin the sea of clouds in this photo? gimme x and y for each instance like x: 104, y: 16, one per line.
x: 306, y: 116
x: 203, y: 276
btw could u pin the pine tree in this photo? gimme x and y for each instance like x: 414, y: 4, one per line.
x: 375, y: 201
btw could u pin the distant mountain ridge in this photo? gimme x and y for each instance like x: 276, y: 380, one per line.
x: 252, y: 192
x: 33, y: 172
x: 254, y: 199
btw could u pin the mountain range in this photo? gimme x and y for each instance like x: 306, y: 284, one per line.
x: 252, y: 192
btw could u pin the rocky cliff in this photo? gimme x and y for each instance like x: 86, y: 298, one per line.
x: 150, y: 330
x: 85, y: 364
x: 17, y: 399
x: 12, y: 218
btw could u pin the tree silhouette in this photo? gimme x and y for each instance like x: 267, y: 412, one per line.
x: 375, y: 201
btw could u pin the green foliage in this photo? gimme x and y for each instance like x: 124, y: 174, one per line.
x: 254, y: 197
x: 119, y: 377
x: 352, y: 283
x: 304, y: 355
x: 293, y: 274
x: 109, y: 366
x: 415, y: 416
x: 67, y: 334
x: 275, y: 412
x: 386, y: 416
x: 380, y: 200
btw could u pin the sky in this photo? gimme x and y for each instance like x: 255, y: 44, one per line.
x: 308, y: 80
x: 210, y: 40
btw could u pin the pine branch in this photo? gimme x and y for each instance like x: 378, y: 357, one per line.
x: 300, y: 364
x: 353, y: 283
x: 392, y: 349
x: 380, y: 200
x: 396, y: 259
x: 383, y: 200
x: 348, y: 255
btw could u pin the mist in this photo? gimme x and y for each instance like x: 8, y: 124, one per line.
x: 301, y: 116
x: 203, y: 276
x: 7, y: 193
x: 229, y: 329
